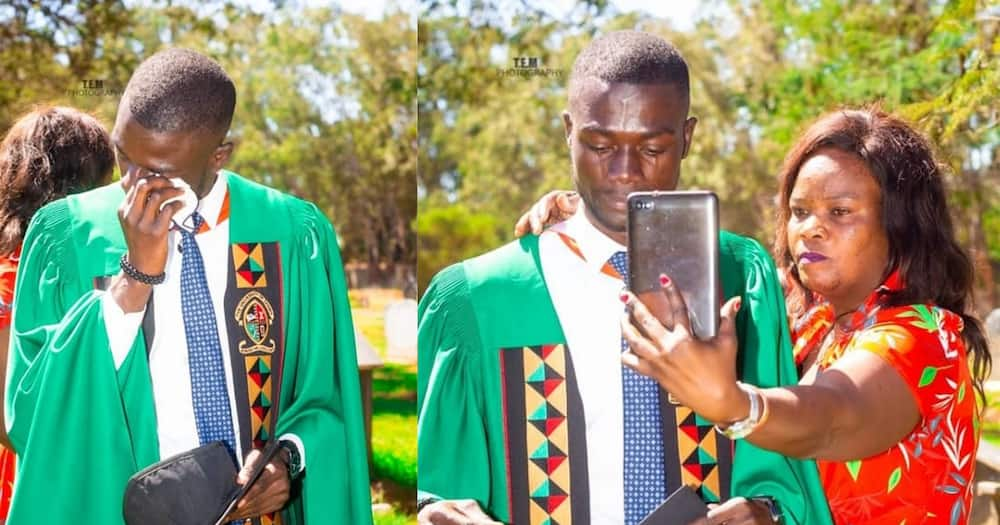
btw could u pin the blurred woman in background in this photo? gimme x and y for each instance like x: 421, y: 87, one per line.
x: 47, y: 154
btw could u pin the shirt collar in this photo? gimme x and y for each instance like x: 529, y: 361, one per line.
x: 595, y: 246
x: 214, y: 207
x: 211, y: 206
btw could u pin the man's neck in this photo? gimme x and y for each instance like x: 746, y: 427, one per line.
x: 619, y: 237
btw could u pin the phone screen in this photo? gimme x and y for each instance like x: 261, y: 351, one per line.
x: 676, y: 233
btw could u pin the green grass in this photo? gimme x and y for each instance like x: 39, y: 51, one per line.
x: 394, y: 381
x: 394, y: 415
x: 394, y: 455
x: 394, y: 424
x: 990, y: 424
x: 394, y: 518
x: 394, y: 410
x: 368, y: 310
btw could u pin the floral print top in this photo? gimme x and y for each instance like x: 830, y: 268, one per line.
x: 926, y: 477
x: 8, y: 271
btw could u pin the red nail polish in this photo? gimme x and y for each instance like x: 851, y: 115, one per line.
x: 624, y: 297
x: 664, y: 280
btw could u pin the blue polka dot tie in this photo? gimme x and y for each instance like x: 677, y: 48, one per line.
x: 208, y: 374
x: 643, y: 461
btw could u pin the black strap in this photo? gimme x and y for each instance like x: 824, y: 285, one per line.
x: 149, y: 324
x: 253, y: 308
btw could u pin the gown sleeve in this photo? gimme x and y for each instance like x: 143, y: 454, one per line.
x: 452, y: 440
x: 321, y: 394
x: 766, y: 360
x: 64, y: 402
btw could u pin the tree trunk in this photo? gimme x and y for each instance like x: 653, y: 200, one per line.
x: 984, y: 294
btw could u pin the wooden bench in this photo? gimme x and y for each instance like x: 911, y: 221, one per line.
x: 368, y: 361
x: 989, y: 456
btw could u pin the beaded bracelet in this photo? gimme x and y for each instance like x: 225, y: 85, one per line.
x: 134, y: 272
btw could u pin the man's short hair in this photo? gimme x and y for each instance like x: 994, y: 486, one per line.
x: 179, y: 90
x: 630, y: 57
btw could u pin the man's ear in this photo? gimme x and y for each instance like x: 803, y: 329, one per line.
x: 568, y: 125
x: 221, y: 155
x: 689, y: 125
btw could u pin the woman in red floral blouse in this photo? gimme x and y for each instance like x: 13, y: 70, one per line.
x: 47, y: 154
x: 881, y: 291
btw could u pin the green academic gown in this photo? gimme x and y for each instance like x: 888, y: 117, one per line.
x: 82, y: 428
x: 498, y: 302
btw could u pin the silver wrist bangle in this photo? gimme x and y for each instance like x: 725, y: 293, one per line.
x: 742, y: 428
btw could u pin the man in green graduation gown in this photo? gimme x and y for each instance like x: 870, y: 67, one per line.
x: 151, y: 320
x: 526, y: 414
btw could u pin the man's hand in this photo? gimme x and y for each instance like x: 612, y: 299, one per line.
x: 454, y: 512
x: 271, y: 491
x: 737, y: 511
x: 145, y: 227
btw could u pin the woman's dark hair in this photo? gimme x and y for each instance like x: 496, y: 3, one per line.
x: 48, y: 154
x: 922, y: 245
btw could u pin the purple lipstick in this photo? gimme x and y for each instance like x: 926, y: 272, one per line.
x: 811, y: 257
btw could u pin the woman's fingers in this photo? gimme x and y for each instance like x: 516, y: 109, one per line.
x: 567, y: 203
x: 642, y: 319
x: 523, y: 225
x: 643, y: 366
x: 727, y: 323
x: 638, y: 344
x: 535, y: 218
x: 675, y: 302
x: 553, y: 207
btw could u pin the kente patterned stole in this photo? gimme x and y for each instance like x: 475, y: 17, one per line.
x: 702, y: 458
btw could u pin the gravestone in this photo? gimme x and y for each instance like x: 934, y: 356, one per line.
x: 993, y: 328
x: 401, y: 331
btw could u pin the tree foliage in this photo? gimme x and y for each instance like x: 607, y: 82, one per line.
x: 761, y: 71
x: 326, y: 100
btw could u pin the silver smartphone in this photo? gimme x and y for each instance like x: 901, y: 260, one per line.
x: 676, y: 233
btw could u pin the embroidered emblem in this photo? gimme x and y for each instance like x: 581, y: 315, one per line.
x: 255, y: 314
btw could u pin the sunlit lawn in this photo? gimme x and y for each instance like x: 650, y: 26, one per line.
x: 394, y: 424
x: 368, y: 309
x: 991, y: 417
x: 394, y: 415
x: 394, y: 517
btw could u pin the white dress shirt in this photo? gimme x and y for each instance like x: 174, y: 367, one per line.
x: 168, y: 353
x: 589, y: 309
